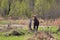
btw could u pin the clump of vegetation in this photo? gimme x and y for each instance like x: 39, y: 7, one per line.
x: 58, y: 29
x: 42, y: 36
x: 14, y: 33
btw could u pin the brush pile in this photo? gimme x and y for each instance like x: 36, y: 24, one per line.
x: 42, y: 36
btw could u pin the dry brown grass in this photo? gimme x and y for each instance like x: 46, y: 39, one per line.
x: 42, y: 36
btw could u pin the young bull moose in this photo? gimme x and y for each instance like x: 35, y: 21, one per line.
x: 36, y: 23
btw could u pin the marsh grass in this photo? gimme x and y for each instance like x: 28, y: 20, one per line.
x: 30, y: 34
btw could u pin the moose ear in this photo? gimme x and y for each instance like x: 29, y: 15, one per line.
x: 34, y: 16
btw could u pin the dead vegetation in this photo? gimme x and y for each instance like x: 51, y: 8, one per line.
x: 42, y: 36
x: 14, y: 33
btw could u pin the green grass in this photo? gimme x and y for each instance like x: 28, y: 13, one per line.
x: 8, y: 21
x: 4, y: 22
x: 53, y: 30
x: 14, y: 37
x: 21, y: 37
x: 57, y: 36
x: 27, y: 35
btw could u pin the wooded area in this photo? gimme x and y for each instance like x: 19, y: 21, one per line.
x: 27, y: 8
